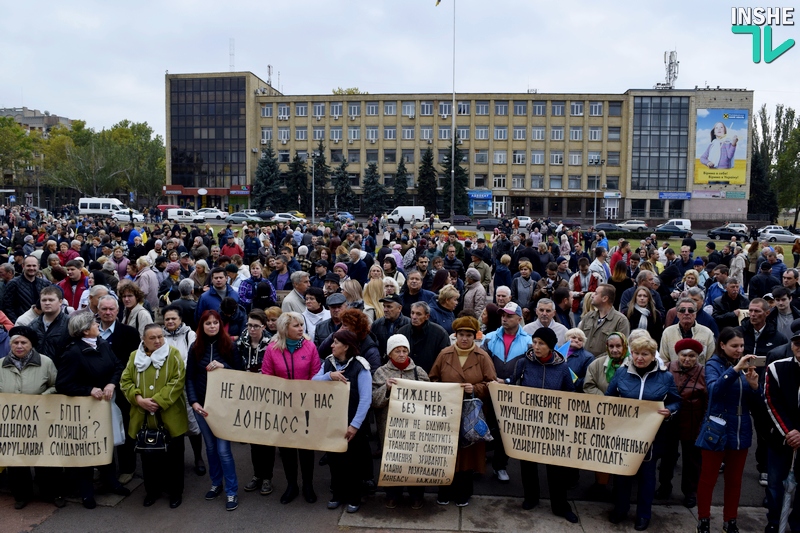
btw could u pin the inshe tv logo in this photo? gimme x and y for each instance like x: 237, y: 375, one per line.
x: 750, y: 20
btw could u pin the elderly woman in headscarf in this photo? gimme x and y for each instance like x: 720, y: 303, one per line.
x: 153, y: 382
x: 399, y: 366
x: 467, y: 364
x: 543, y: 367
x: 346, y: 365
x: 26, y: 371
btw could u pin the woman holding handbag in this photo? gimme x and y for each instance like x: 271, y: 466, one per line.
x: 469, y: 365
x: 153, y: 383
x: 542, y: 367
x: 733, y: 388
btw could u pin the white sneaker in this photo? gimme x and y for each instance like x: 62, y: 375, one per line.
x: 763, y: 479
x: 502, y: 476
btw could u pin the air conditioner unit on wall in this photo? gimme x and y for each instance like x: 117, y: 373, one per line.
x: 336, y: 141
x: 350, y: 141
x: 284, y: 141
x: 411, y: 116
x: 264, y: 141
x: 372, y: 141
x: 352, y: 117
x: 444, y: 116
x: 430, y: 141
x: 335, y: 117
x: 460, y: 142
x: 318, y: 118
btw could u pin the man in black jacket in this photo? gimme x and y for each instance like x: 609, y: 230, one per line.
x: 336, y: 304
x: 23, y: 291
x: 763, y: 282
x: 727, y: 307
x: 124, y: 340
x: 51, y: 325
x: 391, y: 322
x: 425, y: 338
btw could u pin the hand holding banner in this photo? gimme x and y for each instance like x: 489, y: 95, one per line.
x: 261, y: 409
x: 598, y: 433
x: 421, y: 439
x: 55, y: 430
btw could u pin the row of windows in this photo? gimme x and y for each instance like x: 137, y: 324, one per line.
x: 408, y: 133
x: 427, y: 108
x: 660, y: 143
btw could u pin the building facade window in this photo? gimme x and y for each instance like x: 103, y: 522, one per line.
x: 266, y: 110
x: 408, y: 156
x: 409, y: 109
x: 390, y: 109
x: 284, y: 134
x: 575, y: 158
x: 518, y: 157
x: 354, y: 180
x: 537, y: 182
x: 283, y: 111
x: 556, y: 157
x: 445, y: 109
x: 596, y: 109
x: 372, y: 156
x: 444, y: 133
x: 501, y: 107
x: 575, y: 133
x: 612, y: 159
x: 557, y: 109
x: 462, y: 132
x: 537, y: 133
x: 539, y: 108
x: 426, y: 109
x: 372, y: 109
x: 555, y: 182
x: 614, y: 133
x: 319, y: 109
x: 480, y: 180
x: 336, y: 133
x: 390, y: 156
x: 615, y: 109
x: 557, y: 133
x: 500, y: 157
x: 463, y: 108
x: 283, y: 156
x: 353, y: 133
x: 481, y: 108
x: 595, y: 133
x: 426, y: 132
x: 481, y: 157
x: 612, y: 182
x: 537, y: 157
x: 574, y: 183
x: 354, y: 156
x: 372, y: 133
x: 266, y: 134
x: 388, y: 180
x: 301, y: 110
x: 660, y: 143
x: 593, y: 183
x: 519, y: 133
x: 408, y: 133
x: 319, y: 133
x: 501, y: 133
x: 518, y: 181
x: 337, y: 156
x: 481, y: 133
x: 499, y: 181
x: 301, y: 134
x: 354, y: 109
x: 520, y: 109
x: 576, y: 109
x: 336, y: 109
x: 390, y: 133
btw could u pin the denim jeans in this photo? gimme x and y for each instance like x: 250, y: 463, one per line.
x: 779, y: 460
x: 220, y: 459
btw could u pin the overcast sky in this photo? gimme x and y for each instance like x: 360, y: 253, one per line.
x: 105, y: 61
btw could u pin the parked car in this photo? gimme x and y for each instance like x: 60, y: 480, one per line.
x: 608, y: 226
x: 770, y: 227
x: 671, y: 230
x: 437, y: 224
x: 241, y: 216
x: 725, y: 232
x: 341, y: 216
x: 524, y: 221
x: 183, y: 215
x: 297, y: 213
x: 462, y: 220
x: 777, y: 235
x: 251, y: 212
x: 634, y: 225
x: 488, y: 223
x: 286, y: 217
x: 124, y: 216
x: 739, y: 227
x: 212, y: 213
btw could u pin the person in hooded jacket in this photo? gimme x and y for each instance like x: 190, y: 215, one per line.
x: 733, y: 390
x: 357, y: 322
x: 644, y: 377
x: 544, y: 368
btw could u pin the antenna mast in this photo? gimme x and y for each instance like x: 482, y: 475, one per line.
x: 671, y: 65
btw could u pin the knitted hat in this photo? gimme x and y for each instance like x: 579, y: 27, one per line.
x: 26, y: 332
x: 698, y: 262
x: 340, y: 265
x: 472, y: 273
x: 467, y: 323
x: 395, y: 341
x: 173, y: 267
x: 689, y: 344
x: 547, y: 336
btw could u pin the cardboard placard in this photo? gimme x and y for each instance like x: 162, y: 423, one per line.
x: 587, y: 431
x: 421, y: 440
x: 55, y: 430
x: 261, y: 409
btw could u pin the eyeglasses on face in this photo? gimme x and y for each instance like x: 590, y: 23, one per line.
x: 686, y: 311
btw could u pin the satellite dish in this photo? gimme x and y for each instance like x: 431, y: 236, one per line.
x: 202, y: 192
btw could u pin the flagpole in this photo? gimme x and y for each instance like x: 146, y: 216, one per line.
x: 453, y: 128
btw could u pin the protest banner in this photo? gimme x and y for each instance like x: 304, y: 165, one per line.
x: 599, y: 433
x: 421, y: 439
x: 261, y: 409
x: 55, y: 430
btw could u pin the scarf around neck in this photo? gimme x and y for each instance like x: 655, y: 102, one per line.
x: 645, y: 314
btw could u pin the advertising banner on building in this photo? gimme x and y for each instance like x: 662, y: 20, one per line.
x: 259, y: 409
x: 586, y: 431
x: 721, y: 146
x: 55, y: 430
x: 421, y: 440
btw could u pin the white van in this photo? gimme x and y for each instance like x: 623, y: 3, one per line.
x: 417, y: 212
x: 683, y: 223
x: 107, y: 207
x: 184, y: 215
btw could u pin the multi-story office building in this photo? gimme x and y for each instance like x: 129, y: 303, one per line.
x: 644, y: 153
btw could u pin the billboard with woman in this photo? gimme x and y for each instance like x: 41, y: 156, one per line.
x: 721, y: 146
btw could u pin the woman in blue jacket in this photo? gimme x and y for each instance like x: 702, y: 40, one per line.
x: 643, y: 378
x: 733, y: 389
x: 544, y: 368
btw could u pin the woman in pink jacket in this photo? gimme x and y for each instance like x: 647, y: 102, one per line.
x: 292, y: 355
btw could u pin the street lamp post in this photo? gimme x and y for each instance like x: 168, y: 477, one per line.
x: 313, y: 186
x: 453, y: 127
x: 597, y: 164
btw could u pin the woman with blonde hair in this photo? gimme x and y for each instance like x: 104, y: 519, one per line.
x: 201, y: 276
x: 353, y: 293
x: 291, y: 355
x: 373, y: 292
x: 375, y: 272
x: 390, y: 286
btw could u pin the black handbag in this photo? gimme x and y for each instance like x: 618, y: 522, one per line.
x: 152, y: 440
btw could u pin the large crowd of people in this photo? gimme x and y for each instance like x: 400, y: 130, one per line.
x: 139, y: 315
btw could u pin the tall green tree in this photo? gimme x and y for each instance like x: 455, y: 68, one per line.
x: 142, y: 157
x: 763, y: 200
x: 344, y: 197
x: 374, y: 196
x: 400, y: 196
x: 267, y: 192
x: 770, y: 138
x: 460, y: 198
x: 322, y: 173
x: 297, y: 185
x: 787, y: 179
x: 16, y: 146
x: 427, y: 182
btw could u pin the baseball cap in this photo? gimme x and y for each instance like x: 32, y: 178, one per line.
x: 322, y: 263
x: 392, y: 298
x: 512, y: 308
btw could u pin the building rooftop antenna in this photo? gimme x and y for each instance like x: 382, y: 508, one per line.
x: 269, y: 75
x: 671, y: 65
x: 232, y: 53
